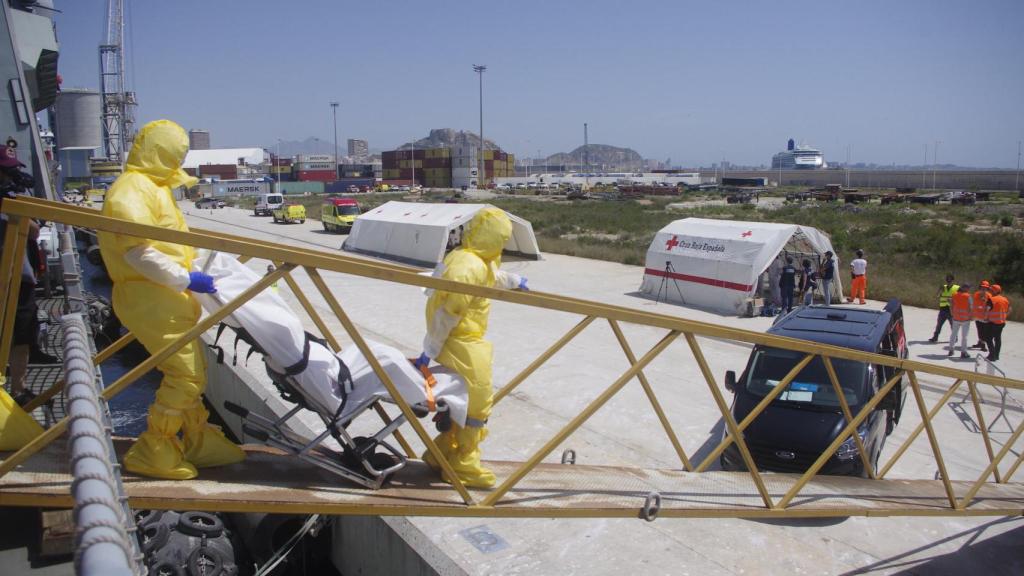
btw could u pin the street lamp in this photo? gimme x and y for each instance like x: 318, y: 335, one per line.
x: 334, y: 108
x: 935, y: 161
x: 480, y: 69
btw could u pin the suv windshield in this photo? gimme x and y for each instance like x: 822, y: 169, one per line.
x: 348, y: 210
x: 812, y: 386
x: 275, y: 199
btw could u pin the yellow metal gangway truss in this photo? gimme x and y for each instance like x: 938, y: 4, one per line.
x: 269, y: 481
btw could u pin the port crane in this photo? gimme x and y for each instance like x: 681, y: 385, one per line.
x: 118, y: 104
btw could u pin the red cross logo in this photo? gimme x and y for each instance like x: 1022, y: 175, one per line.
x: 747, y: 233
x: 672, y: 243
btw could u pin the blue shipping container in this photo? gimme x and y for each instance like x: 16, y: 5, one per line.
x: 341, y: 186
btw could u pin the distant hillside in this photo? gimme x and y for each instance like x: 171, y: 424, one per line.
x: 449, y: 138
x: 601, y: 157
x: 289, y: 148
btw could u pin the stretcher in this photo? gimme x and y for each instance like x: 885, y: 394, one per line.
x: 337, y: 387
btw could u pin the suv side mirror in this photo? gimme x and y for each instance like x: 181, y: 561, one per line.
x: 730, y: 381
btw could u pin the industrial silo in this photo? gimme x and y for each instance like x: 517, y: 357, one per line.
x: 79, y: 130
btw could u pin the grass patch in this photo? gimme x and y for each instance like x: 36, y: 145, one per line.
x: 910, y: 248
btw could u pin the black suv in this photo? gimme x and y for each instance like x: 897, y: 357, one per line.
x: 793, y: 431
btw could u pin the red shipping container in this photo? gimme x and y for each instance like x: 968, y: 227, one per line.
x: 315, y: 176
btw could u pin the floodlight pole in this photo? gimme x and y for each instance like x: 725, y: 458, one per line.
x: 935, y: 161
x: 278, y: 167
x: 924, y: 168
x: 480, y: 69
x: 1016, y: 181
x: 334, y: 108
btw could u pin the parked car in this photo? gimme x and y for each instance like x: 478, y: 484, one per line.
x: 339, y: 214
x: 289, y: 213
x: 806, y: 417
x: 209, y: 202
x: 353, y: 188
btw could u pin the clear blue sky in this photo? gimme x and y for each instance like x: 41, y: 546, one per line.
x: 694, y: 81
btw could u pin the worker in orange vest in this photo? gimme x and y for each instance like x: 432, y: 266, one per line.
x: 998, y: 311
x: 960, y: 312
x: 979, y: 310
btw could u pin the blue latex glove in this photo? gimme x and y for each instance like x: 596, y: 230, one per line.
x: 522, y: 284
x: 201, y: 283
x: 422, y: 361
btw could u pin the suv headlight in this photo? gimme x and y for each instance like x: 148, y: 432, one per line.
x: 848, y: 449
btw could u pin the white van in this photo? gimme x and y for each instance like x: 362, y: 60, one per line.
x: 267, y: 203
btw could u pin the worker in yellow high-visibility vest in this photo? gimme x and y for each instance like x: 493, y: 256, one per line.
x: 946, y: 292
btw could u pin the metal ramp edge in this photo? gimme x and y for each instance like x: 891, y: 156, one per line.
x: 269, y: 481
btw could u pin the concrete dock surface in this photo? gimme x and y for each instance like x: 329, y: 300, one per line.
x: 626, y: 432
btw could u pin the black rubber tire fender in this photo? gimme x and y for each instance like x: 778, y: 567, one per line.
x: 166, y: 569
x: 195, y: 523
x: 205, y: 561
x: 153, y: 536
x: 144, y: 517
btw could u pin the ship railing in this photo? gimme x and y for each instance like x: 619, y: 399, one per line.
x: 288, y: 259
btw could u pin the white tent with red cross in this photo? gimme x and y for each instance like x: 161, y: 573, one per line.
x: 719, y: 265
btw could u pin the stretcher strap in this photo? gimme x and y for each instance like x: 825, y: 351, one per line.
x: 300, y: 366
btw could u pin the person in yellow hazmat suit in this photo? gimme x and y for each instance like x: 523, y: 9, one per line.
x: 456, y: 324
x: 152, y: 297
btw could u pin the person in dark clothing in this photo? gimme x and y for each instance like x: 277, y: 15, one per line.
x: 828, y: 271
x: 787, y: 283
x: 26, y: 325
x: 808, y: 282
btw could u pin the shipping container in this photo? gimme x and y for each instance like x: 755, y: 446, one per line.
x: 316, y: 176
x: 234, y: 188
x: 325, y: 158
x: 341, y: 186
x: 302, y: 187
x: 221, y: 171
x: 309, y: 166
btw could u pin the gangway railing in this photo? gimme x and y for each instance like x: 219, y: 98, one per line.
x: 774, y: 501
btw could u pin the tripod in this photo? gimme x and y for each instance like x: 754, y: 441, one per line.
x: 669, y: 270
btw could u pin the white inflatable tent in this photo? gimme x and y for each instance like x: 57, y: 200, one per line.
x: 418, y: 234
x: 718, y: 264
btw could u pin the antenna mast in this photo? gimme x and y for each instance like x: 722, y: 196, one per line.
x: 118, y: 105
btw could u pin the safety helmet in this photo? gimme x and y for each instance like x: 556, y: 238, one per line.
x: 997, y: 288
x: 984, y: 284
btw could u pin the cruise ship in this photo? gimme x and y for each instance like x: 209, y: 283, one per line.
x: 798, y: 158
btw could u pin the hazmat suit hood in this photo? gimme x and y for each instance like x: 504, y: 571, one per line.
x: 158, y: 151
x: 488, y: 232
